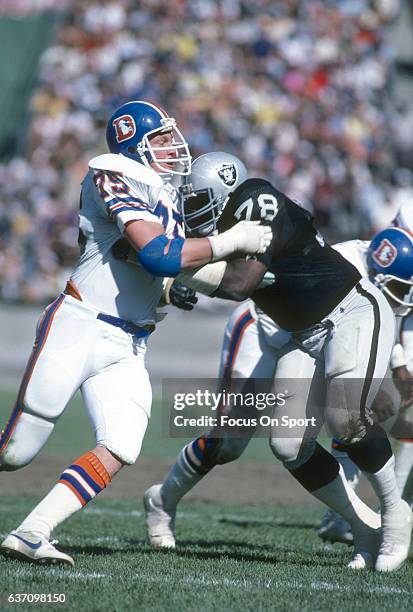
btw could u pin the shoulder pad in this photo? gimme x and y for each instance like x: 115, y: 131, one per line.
x: 112, y: 162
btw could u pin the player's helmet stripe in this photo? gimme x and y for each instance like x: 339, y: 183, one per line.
x: 162, y: 112
x: 405, y: 232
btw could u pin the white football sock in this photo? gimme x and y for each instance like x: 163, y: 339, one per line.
x: 339, y: 496
x: 408, y: 490
x: 78, y: 484
x: 403, y: 452
x: 181, y: 478
x: 385, y: 486
x: 57, y: 506
x: 351, y: 471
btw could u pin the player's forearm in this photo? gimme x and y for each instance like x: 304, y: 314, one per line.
x: 162, y: 256
x: 242, y: 277
x: 196, y: 252
x: 244, y: 237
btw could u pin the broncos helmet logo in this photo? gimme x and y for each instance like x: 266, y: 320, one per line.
x: 228, y: 174
x: 125, y: 127
x: 385, y: 254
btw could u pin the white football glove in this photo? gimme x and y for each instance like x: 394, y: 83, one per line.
x: 246, y: 237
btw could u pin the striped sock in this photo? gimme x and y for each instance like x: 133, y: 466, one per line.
x: 86, y: 477
x: 78, y: 484
x: 194, y: 461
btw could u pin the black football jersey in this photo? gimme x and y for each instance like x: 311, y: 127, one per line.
x: 311, y: 278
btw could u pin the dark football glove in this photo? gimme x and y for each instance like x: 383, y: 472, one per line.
x: 182, y: 296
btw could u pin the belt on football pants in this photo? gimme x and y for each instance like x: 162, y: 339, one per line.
x: 126, y: 326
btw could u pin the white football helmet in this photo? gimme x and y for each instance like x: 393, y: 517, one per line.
x: 206, y: 190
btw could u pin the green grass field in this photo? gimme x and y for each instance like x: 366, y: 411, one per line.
x: 229, y: 557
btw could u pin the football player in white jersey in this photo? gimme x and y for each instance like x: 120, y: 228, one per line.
x: 374, y: 257
x: 93, y: 337
x: 251, y: 348
x: 307, y: 464
x: 403, y: 428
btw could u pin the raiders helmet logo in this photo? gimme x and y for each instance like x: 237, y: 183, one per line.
x: 385, y: 254
x: 125, y: 127
x: 228, y: 174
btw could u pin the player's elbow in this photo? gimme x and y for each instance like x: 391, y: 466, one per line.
x: 162, y: 257
x: 237, y: 291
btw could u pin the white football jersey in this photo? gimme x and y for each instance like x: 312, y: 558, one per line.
x: 355, y: 251
x: 115, y: 191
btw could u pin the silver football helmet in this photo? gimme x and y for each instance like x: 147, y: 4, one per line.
x: 206, y: 190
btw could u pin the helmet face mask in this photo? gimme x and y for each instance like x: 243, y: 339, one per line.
x: 398, y: 290
x: 134, y: 125
x: 201, y: 210
x: 157, y: 156
x: 206, y: 191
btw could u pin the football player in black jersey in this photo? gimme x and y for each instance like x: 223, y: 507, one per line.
x: 339, y: 319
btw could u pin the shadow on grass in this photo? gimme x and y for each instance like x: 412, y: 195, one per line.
x: 258, y: 523
x: 218, y: 549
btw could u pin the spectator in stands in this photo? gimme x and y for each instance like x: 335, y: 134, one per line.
x: 299, y: 89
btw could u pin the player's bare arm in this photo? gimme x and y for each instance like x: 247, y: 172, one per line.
x: 241, y: 278
x: 167, y: 257
x: 195, y: 251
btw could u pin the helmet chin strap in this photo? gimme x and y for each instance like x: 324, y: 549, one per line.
x: 149, y: 162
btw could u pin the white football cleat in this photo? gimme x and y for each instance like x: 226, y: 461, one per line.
x: 334, y: 528
x: 28, y: 546
x: 397, y: 531
x: 159, y: 522
x: 366, y: 545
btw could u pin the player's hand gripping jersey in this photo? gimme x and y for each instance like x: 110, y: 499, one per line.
x: 115, y: 192
x: 311, y: 278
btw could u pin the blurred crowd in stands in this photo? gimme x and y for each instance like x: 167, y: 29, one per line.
x: 300, y: 90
